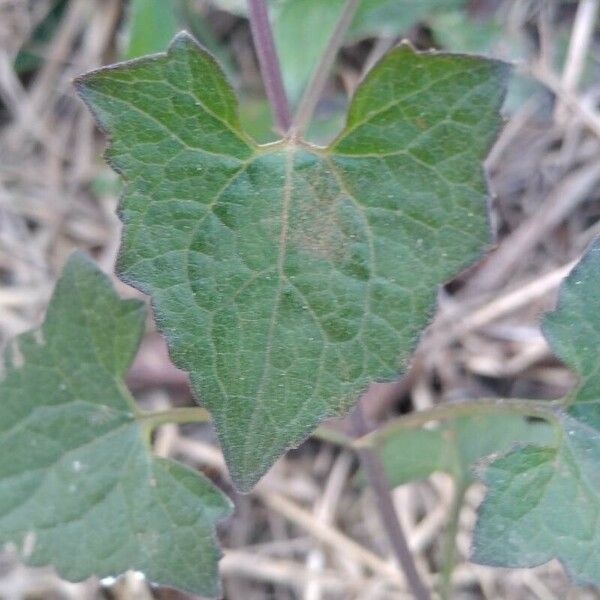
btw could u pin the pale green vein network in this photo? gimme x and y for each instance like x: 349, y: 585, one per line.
x: 79, y: 488
x: 287, y: 277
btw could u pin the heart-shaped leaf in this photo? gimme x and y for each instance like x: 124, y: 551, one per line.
x: 287, y: 277
x: 79, y: 488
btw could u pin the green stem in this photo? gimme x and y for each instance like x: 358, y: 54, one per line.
x: 541, y: 409
x: 187, y: 414
x: 333, y: 436
x: 449, y: 551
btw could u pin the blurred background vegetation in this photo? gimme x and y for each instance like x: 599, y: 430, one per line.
x: 56, y: 194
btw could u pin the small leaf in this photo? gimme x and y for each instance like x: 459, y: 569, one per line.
x: 79, y: 488
x: 543, y: 502
x: 287, y: 277
x: 455, y: 447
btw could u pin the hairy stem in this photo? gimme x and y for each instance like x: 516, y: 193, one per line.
x: 262, y: 35
x: 541, y: 409
x: 187, y: 414
x: 319, y: 80
x: 385, y: 505
x: 449, y: 551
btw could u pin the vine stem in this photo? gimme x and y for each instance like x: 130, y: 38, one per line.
x: 262, y: 35
x: 385, y: 505
x: 186, y: 414
x: 317, y: 84
x: 540, y: 409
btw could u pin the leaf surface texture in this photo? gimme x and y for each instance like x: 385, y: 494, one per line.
x: 543, y: 502
x: 287, y: 277
x: 79, y: 488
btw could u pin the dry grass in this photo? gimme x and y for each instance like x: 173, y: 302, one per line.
x: 308, y: 531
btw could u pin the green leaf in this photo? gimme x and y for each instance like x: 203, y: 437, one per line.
x: 458, y: 31
x: 152, y: 24
x: 286, y: 277
x: 413, y: 454
x: 393, y: 17
x: 543, y: 502
x: 373, y: 18
x: 295, y: 22
x: 479, y: 436
x: 79, y: 488
x: 455, y: 447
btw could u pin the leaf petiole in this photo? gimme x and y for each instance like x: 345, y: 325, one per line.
x: 187, y: 414
x: 539, y: 409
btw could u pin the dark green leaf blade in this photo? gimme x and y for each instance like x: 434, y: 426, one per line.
x: 79, y: 488
x: 285, y: 278
x: 544, y: 502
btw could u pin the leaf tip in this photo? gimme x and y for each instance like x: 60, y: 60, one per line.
x: 244, y: 481
x: 184, y: 43
x: 405, y: 45
x: 182, y: 40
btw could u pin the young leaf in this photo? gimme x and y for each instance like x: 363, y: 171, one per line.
x: 286, y: 277
x: 455, y: 447
x: 543, y: 502
x: 79, y: 488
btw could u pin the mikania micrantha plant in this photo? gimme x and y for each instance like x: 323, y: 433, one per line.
x: 285, y: 278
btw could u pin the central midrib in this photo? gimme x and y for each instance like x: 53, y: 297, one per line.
x: 281, y: 253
